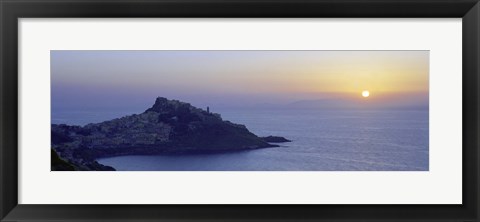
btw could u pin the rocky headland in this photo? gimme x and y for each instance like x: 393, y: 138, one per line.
x: 169, y: 127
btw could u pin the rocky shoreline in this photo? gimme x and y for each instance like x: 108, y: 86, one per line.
x: 169, y: 127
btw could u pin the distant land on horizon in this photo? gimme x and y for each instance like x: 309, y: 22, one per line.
x: 342, y: 109
x: 421, y: 102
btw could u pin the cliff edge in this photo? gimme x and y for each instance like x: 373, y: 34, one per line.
x: 168, y: 127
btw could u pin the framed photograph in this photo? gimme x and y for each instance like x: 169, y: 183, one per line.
x: 226, y: 110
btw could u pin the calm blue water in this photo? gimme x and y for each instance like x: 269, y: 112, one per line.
x: 322, y: 140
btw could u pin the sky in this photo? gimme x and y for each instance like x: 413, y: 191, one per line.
x: 126, y: 79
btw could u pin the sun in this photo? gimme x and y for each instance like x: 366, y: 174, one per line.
x: 365, y: 93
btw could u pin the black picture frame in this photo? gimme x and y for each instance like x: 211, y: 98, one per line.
x: 12, y: 10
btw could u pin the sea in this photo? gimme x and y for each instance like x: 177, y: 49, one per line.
x: 322, y: 140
